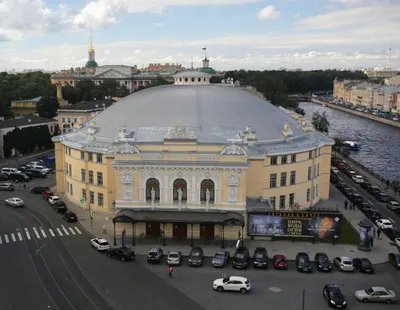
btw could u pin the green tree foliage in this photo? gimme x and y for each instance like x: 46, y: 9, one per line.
x: 47, y: 107
x: 215, y: 79
x: 300, y: 111
x: 320, y: 122
x: 157, y: 82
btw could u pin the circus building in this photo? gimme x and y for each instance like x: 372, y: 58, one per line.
x: 192, y: 159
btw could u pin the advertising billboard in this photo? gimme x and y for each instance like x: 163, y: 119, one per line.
x: 321, y: 226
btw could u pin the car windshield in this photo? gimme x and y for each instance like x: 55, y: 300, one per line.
x: 196, y: 253
x: 347, y: 262
x: 323, y: 259
x: 104, y: 243
x: 153, y: 253
x: 173, y: 255
x: 369, y: 291
x: 303, y: 259
x: 239, y: 255
x: 260, y: 255
x: 219, y: 255
x: 280, y: 260
x: 336, y: 294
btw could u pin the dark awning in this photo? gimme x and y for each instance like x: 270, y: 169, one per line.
x: 190, y: 217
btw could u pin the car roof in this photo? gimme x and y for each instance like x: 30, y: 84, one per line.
x: 364, y: 259
x: 260, y: 249
x: 394, y: 202
x: 233, y: 278
x: 384, y: 220
x: 302, y: 254
x: 70, y: 212
x: 279, y: 256
x: 378, y: 288
x: 174, y: 252
x: 101, y: 240
x: 321, y: 254
x: 154, y: 249
x: 55, y: 197
x: 15, y: 198
x: 345, y: 258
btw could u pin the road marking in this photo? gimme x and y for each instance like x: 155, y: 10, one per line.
x: 51, y: 232
x: 43, y: 233
x: 391, y: 220
x: 13, y: 238
x: 72, y: 231
x: 27, y: 234
x: 370, y: 202
x: 59, y: 231
x: 354, y: 189
x: 6, y: 238
x: 65, y: 230
x: 77, y: 229
x: 19, y: 236
x: 36, y: 232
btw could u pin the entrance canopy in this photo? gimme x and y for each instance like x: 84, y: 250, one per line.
x: 189, y: 217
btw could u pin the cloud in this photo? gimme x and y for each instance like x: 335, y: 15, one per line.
x: 158, y: 24
x: 269, y: 12
x: 297, y: 15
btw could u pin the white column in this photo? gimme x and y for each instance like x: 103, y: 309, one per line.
x: 194, y: 189
x: 165, y: 187
x: 144, y: 193
x: 218, y: 188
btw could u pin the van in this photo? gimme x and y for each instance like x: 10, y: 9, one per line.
x: 18, y: 177
x: 36, y: 173
x: 9, y: 170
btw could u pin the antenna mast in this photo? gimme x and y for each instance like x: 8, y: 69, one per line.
x: 390, y: 52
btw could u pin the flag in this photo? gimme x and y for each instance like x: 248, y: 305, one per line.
x: 204, y: 48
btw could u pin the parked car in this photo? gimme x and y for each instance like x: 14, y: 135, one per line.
x: 47, y: 194
x: 363, y: 265
x: 260, y: 258
x: 348, y: 193
x: 383, y: 223
x: 69, y: 216
x: 3, y: 176
x: 39, y: 190
x: 9, y: 187
x: 366, y: 185
x: 100, y: 244
x: 392, y: 233
x: 382, y: 197
x: 393, y: 205
x: 334, y: 296
x: 363, y: 206
x: 334, y: 179
x: 42, y: 168
x: 373, y: 190
x: 344, y: 263
x: 15, y: 202
x: 322, y: 262
x: 241, y: 258
x: 36, y: 173
x: 60, y: 206
x: 155, y: 255
x: 394, y: 259
x: 53, y: 199
x: 342, y: 187
x: 356, y: 198
x: 397, y: 241
x: 350, y: 173
x: 303, y: 262
x: 196, y: 257
x: 220, y: 259
x: 335, y: 170
x: 376, y: 294
x: 122, y: 253
x: 358, y: 179
x: 373, y: 214
x: 280, y: 262
x: 174, y: 258
x: 10, y: 170
x: 22, y: 168
x: 18, y: 177
x: 236, y: 284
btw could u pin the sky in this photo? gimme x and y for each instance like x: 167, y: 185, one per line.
x: 237, y: 34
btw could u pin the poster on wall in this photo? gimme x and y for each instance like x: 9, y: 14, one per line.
x: 323, y: 227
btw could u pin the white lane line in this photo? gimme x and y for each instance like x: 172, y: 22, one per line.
x: 43, y: 233
x: 72, y: 231
x: 65, y: 231
x: 78, y: 231
x: 1, y: 241
x: 391, y: 220
x: 370, y: 202
x: 6, y: 238
x: 51, y: 232
x: 36, y: 232
x: 13, y: 238
x: 27, y: 234
x: 19, y: 236
x: 59, y: 231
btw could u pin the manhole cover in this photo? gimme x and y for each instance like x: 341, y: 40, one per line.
x: 275, y: 289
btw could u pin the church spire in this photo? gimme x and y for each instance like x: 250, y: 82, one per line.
x: 91, y: 50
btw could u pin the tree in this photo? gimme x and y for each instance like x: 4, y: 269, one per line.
x: 47, y: 107
x: 321, y: 122
x: 300, y: 111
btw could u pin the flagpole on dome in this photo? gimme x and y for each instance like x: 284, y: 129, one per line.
x: 205, y: 52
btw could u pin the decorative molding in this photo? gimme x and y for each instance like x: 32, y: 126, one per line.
x: 179, y: 132
x: 127, y: 181
x: 152, y: 157
x: 207, y: 158
x: 233, y: 184
x: 125, y: 135
x: 123, y: 148
x: 249, y: 135
x: 287, y: 130
x: 233, y: 180
x: 233, y: 149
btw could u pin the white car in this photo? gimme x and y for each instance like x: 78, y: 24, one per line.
x: 42, y: 168
x: 15, y: 202
x: 358, y: 179
x: 383, y: 223
x: 100, y: 244
x: 238, y: 284
x: 335, y: 170
x: 53, y: 199
x: 344, y: 263
x: 397, y: 240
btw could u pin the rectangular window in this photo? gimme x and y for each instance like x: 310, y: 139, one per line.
x: 100, y: 178
x: 84, y: 193
x: 282, y: 202
x: 308, y: 195
x: 272, y: 201
x: 69, y: 120
x: 274, y: 160
x: 83, y: 175
x: 90, y: 156
x: 66, y: 168
x: 66, y: 150
x: 71, y: 189
x: 99, y: 158
x: 75, y: 119
x: 283, y: 178
x: 100, y: 199
x: 90, y: 177
x: 293, y: 158
x: 318, y: 170
x: 309, y: 173
x: 82, y: 155
x: 70, y: 170
x: 63, y: 119
x: 315, y: 171
x: 313, y: 193
x: 272, y: 180
x: 291, y: 199
x: 68, y: 187
x: 292, y: 177
x: 91, y: 197
x: 317, y: 190
x: 310, y: 155
x: 284, y: 160
x: 316, y: 153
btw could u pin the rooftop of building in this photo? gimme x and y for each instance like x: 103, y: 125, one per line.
x: 88, y: 105
x: 389, y: 89
x: 37, y: 99
x: 24, y: 121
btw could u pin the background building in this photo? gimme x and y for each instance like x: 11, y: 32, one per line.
x: 393, y: 81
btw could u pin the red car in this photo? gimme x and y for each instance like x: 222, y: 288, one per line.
x: 280, y: 262
x: 47, y: 194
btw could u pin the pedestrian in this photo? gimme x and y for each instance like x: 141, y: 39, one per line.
x: 170, y: 271
x: 371, y: 241
x: 24, y: 185
x: 379, y: 232
x: 387, y: 184
x: 374, y: 232
x: 346, y: 204
x: 350, y: 205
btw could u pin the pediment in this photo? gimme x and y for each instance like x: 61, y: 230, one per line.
x: 111, y: 74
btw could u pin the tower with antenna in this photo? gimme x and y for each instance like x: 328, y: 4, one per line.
x: 390, y: 53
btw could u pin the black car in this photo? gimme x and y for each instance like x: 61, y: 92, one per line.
x: 155, y: 255
x: 18, y: 177
x: 241, y: 258
x: 366, y: 185
x: 363, y: 265
x: 394, y: 259
x: 260, y: 258
x: 303, y: 262
x: 348, y: 193
x: 363, y: 207
x: 36, y: 173
x: 334, y: 296
x: 3, y: 176
x: 122, y: 253
x: 196, y: 257
x: 373, y: 215
x: 22, y: 168
x: 69, y: 216
x: 334, y: 179
x: 356, y: 198
x: 39, y: 190
x: 392, y: 233
x: 342, y: 187
x: 60, y: 206
x: 373, y: 190
x: 322, y: 262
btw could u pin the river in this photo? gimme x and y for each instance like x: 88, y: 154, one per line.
x: 380, y: 143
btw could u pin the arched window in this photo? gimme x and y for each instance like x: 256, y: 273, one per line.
x: 204, y: 79
x: 192, y: 80
x: 186, y: 79
x: 180, y: 79
x: 199, y: 79
x: 150, y: 184
x: 205, y: 185
x: 180, y: 184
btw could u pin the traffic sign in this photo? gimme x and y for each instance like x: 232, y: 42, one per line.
x: 92, y: 214
x: 82, y: 201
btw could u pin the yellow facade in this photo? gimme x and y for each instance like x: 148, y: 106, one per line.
x: 68, y: 119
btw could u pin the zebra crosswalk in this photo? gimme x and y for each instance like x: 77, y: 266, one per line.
x: 38, y: 233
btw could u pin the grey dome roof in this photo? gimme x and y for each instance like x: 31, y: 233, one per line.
x: 213, y: 112
x: 190, y: 74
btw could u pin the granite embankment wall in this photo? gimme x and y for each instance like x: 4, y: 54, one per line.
x: 362, y: 114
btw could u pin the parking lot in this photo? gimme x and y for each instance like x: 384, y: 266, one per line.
x: 274, y: 289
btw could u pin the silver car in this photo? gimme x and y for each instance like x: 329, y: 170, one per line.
x: 174, y: 258
x: 344, y: 263
x: 15, y: 202
x: 220, y: 259
x: 376, y: 294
